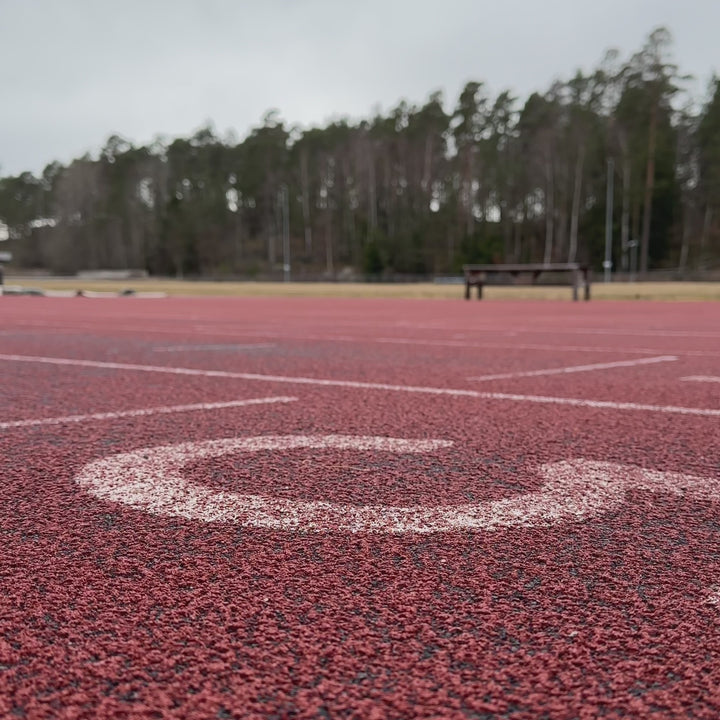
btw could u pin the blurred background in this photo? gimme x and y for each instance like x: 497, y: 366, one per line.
x: 394, y: 140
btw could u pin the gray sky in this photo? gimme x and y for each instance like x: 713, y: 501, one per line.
x: 73, y: 72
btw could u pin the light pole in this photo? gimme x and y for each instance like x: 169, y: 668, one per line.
x: 633, y: 245
x: 284, y: 202
x: 607, y: 263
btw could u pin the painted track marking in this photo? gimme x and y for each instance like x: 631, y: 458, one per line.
x: 375, y: 324
x: 163, y: 410
x: 203, y: 330
x: 322, y: 382
x: 202, y: 348
x: 151, y: 479
x: 634, y: 333
x: 579, y: 368
x: 508, y: 346
x: 535, y: 346
x: 701, y: 378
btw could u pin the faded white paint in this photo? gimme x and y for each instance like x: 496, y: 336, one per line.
x: 151, y: 479
x: 214, y: 346
x: 285, y: 334
x: 579, y: 368
x: 163, y: 410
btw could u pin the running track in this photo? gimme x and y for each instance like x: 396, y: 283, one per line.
x: 355, y: 508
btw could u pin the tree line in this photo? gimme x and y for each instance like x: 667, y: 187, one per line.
x: 418, y: 190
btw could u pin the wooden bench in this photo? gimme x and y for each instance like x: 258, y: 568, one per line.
x: 477, y: 275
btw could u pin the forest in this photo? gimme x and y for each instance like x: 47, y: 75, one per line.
x: 414, y: 191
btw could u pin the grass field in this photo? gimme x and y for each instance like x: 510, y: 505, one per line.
x: 671, y: 291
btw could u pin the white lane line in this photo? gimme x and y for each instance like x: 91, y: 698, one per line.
x: 200, y: 348
x: 165, y: 410
x: 643, y: 333
x: 532, y: 346
x: 452, y: 392
x: 606, y: 404
x: 463, y: 344
x: 578, y: 368
x: 701, y: 378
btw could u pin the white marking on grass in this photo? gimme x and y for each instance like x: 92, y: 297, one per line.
x: 163, y: 410
x: 151, y: 480
x: 322, y: 382
x: 579, y: 368
x: 701, y: 378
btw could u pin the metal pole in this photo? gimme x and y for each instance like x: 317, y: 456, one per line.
x: 5, y: 257
x: 607, y: 264
x: 285, y: 233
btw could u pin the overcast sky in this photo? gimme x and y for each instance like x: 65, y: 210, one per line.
x: 72, y: 72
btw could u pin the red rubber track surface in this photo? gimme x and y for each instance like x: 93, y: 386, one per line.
x: 107, y: 610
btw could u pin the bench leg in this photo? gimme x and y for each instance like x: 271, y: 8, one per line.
x: 467, y: 290
x: 575, y: 282
x: 587, y: 284
x: 479, y: 286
